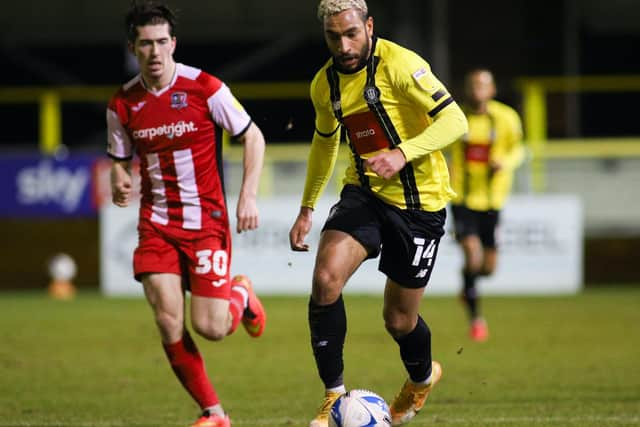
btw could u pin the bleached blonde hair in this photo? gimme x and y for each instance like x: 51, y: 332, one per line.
x: 331, y: 7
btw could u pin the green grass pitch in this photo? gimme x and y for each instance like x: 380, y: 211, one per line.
x: 550, y: 361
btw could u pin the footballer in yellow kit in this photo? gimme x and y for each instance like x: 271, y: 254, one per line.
x: 482, y: 165
x: 397, y: 117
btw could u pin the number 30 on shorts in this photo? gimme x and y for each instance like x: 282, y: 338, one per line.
x: 208, y: 260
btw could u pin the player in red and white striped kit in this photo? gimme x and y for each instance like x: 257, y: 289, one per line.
x: 167, y: 116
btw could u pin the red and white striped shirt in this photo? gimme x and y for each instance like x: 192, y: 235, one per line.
x: 172, y: 131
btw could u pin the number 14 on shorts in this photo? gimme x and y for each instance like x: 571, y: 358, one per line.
x: 423, y: 253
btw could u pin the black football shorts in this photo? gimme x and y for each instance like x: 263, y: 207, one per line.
x: 407, y: 240
x: 468, y: 222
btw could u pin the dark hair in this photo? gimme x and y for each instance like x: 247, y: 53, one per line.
x: 478, y: 69
x: 148, y: 12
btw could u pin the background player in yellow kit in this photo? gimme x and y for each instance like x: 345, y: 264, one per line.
x: 397, y: 117
x: 482, y: 166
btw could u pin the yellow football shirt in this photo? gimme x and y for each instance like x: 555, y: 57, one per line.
x: 493, y: 137
x: 395, y: 101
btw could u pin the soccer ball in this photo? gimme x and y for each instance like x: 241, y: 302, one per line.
x: 360, y: 408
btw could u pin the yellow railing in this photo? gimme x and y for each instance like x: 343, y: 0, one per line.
x: 591, y: 148
x: 50, y: 101
x: 535, y: 90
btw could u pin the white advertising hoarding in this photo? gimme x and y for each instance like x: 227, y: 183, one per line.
x: 540, y: 250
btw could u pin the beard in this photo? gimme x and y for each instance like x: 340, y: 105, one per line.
x: 362, y: 57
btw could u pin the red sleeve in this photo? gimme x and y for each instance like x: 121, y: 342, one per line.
x: 116, y: 104
x: 210, y: 84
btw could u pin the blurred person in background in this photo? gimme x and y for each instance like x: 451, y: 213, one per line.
x: 167, y: 116
x: 482, y: 165
x: 397, y: 116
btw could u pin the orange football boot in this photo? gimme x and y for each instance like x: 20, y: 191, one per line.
x: 254, y: 318
x: 412, y: 397
x: 479, y: 330
x: 207, y: 419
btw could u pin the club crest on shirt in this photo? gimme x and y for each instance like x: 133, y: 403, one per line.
x: 371, y: 94
x: 178, y: 100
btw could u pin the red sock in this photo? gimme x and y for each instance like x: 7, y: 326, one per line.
x: 236, y: 308
x: 188, y: 366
